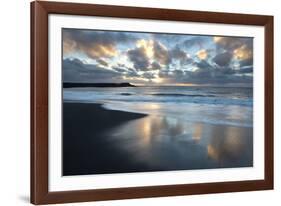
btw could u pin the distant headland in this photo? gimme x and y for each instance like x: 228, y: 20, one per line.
x: 72, y: 84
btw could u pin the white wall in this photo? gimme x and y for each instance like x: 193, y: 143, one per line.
x: 14, y: 110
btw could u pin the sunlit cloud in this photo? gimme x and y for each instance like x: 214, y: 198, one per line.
x: 217, y: 38
x: 202, y: 54
x: 147, y: 45
x: 242, y: 53
x: 158, y: 80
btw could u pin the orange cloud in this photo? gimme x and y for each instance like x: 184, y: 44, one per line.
x: 242, y: 53
x: 202, y: 54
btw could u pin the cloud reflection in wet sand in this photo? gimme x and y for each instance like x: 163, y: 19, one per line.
x: 165, y: 143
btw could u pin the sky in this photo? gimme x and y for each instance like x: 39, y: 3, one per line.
x: 156, y: 58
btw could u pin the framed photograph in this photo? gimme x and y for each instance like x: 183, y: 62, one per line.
x: 131, y: 102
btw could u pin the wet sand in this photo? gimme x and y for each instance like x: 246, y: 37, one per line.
x: 85, y: 148
x: 101, y: 141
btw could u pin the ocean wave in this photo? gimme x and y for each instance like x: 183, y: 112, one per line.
x: 158, y: 97
x: 199, y: 100
x: 181, y: 95
x: 126, y: 94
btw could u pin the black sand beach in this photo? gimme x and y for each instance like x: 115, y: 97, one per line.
x: 85, y: 148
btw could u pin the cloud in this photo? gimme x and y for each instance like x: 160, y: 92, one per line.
x: 243, y: 52
x: 75, y: 70
x: 149, y: 55
x: 231, y: 43
x: 207, y: 73
x: 153, y: 55
x: 147, y: 46
x: 161, y: 53
x: 120, y: 70
x: 132, y: 73
x: 139, y: 58
x: 202, y: 54
x: 148, y: 75
x: 155, y: 66
x: 95, y: 44
x: 240, y: 47
x: 182, y: 56
x: 244, y: 70
x: 102, y: 62
x: 234, y: 49
x: 195, y: 41
x: 167, y: 58
x: 246, y: 62
x: 203, y: 64
x: 223, y: 59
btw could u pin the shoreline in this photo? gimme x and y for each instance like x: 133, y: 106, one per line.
x: 84, y: 125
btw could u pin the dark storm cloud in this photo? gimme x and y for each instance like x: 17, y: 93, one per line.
x: 223, y: 59
x: 94, y: 44
x: 139, y: 58
x: 76, y: 71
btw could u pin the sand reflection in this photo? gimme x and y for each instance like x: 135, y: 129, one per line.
x: 229, y: 145
x: 197, y: 133
x: 165, y: 143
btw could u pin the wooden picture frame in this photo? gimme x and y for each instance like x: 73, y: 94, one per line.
x: 40, y: 193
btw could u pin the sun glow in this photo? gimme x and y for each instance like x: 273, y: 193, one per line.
x: 185, y: 84
x: 135, y: 79
x: 158, y: 80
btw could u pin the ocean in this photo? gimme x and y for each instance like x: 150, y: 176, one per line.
x: 213, y: 105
